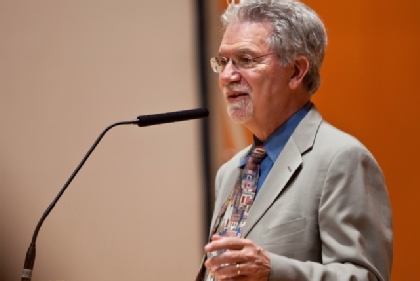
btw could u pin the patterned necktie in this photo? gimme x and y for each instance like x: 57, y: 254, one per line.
x: 232, y: 217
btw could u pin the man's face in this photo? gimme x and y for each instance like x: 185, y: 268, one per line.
x: 254, y: 96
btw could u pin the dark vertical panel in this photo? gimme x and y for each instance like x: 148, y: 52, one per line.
x: 202, y: 66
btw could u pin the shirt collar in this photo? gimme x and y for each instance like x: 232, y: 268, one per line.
x: 278, y: 139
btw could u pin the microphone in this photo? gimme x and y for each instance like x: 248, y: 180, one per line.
x: 141, y: 121
x: 169, y: 117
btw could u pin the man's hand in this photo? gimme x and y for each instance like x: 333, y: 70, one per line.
x: 242, y: 259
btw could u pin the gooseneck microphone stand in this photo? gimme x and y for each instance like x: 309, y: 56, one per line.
x: 141, y: 121
x: 31, y: 253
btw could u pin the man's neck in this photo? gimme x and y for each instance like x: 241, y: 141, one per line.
x: 264, y: 128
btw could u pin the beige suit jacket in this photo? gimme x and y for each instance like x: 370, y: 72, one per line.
x: 323, y: 212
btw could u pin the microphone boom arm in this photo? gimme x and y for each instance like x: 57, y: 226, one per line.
x: 31, y: 253
x: 141, y: 121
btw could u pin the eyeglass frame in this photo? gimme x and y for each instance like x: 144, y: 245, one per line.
x: 217, y: 67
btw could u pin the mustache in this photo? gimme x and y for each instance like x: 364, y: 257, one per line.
x: 235, y: 87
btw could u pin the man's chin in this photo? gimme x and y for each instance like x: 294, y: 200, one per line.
x: 240, y: 116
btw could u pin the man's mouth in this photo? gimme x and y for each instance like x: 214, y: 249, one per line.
x: 236, y: 96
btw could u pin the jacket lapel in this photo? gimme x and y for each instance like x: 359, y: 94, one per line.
x: 288, y: 162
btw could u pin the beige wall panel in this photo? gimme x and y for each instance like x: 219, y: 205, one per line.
x: 67, y: 70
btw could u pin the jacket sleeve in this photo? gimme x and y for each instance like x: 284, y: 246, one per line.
x: 355, y: 226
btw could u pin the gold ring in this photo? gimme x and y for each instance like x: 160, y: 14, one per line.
x: 239, y: 270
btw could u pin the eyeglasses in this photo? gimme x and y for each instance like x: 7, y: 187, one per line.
x: 245, y: 61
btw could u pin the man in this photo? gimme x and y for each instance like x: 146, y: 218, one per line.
x: 316, y: 207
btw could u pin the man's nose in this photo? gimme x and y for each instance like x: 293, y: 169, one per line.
x: 230, y: 72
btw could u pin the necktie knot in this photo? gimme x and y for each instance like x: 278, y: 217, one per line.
x: 257, y: 155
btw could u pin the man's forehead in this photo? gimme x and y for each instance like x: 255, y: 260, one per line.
x: 246, y: 37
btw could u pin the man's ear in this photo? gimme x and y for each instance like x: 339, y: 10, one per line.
x: 300, y: 68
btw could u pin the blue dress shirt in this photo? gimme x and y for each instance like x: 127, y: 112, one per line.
x: 276, y: 142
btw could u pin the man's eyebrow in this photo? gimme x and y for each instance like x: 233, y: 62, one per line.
x: 243, y: 51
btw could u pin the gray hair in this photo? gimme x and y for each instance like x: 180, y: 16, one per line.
x: 297, y: 31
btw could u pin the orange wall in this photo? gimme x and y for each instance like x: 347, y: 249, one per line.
x: 370, y: 90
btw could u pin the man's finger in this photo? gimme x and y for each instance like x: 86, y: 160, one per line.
x: 228, y: 257
x: 230, y: 271
x: 227, y: 243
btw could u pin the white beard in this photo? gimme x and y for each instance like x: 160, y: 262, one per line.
x: 241, y: 111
